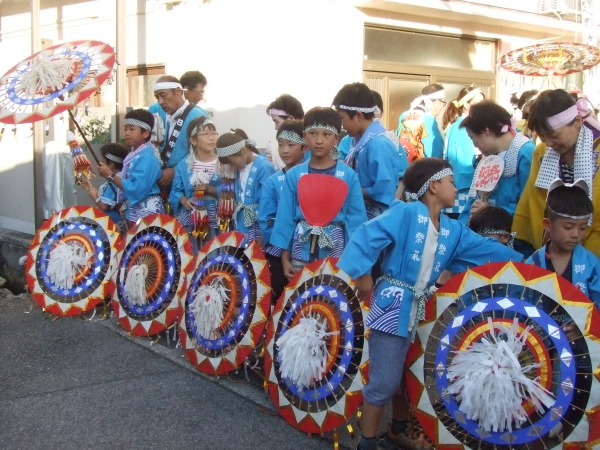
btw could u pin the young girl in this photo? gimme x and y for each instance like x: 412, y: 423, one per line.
x: 141, y: 168
x: 108, y: 196
x: 292, y: 232
x: 489, y: 127
x: 292, y: 147
x: 459, y: 149
x: 416, y: 243
x: 252, y: 170
x: 193, y: 199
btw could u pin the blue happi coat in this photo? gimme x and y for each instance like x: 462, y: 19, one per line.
x: 182, y: 186
x: 378, y: 165
x: 267, y: 209
x: 457, y: 249
x: 246, y: 215
x: 517, y: 164
x: 111, y: 195
x: 292, y: 234
x: 585, y: 270
x: 141, y: 171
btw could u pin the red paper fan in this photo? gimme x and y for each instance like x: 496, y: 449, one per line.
x: 321, y: 197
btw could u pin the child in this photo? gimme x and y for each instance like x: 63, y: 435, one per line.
x: 292, y: 147
x: 252, y: 170
x: 416, y: 243
x: 495, y: 222
x: 566, y: 218
x: 292, y: 232
x: 490, y: 129
x: 193, y: 200
x: 108, y: 196
x: 141, y: 168
x: 372, y: 155
x: 284, y: 107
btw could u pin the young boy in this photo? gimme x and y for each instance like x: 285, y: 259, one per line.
x: 301, y: 241
x: 292, y: 148
x: 108, y: 196
x: 141, y: 168
x: 372, y: 155
x: 566, y: 218
x: 495, y: 222
x: 416, y: 243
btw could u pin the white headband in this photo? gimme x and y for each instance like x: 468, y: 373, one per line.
x: 278, y: 112
x: 435, y: 177
x: 137, y: 123
x: 166, y: 85
x: 468, y: 97
x: 291, y: 136
x: 437, y: 95
x: 234, y: 148
x: 372, y: 109
x: 313, y: 126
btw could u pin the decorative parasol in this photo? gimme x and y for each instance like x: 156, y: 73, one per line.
x: 151, y: 276
x: 225, y: 311
x: 556, y: 359
x: 550, y: 58
x: 54, y: 80
x: 318, y: 311
x: 71, y: 260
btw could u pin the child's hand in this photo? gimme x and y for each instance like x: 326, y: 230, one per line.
x: 166, y: 178
x: 85, y: 184
x: 186, y: 202
x: 364, y: 285
x: 288, y: 269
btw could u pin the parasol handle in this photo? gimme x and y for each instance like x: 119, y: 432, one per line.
x: 84, y: 138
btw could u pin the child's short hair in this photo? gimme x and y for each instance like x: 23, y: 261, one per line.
x: 115, y: 152
x: 420, y: 172
x: 232, y: 143
x: 141, y: 118
x: 291, y: 130
x: 197, y: 124
x: 355, y: 97
x: 487, y: 115
x: 491, y: 220
x: 568, y: 200
x: 323, y: 117
x: 192, y: 78
x: 291, y: 106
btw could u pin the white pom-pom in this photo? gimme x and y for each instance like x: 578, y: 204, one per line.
x: 66, y: 260
x: 46, y: 75
x: 303, y: 352
x: 135, y: 285
x: 207, y: 307
x: 489, y: 383
x: 199, y: 177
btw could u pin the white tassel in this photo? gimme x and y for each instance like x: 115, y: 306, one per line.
x: 490, y: 384
x: 46, y: 75
x: 207, y: 307
x: 303, y: 352
x: 199, y: 177
x: 135, y: 285
x: 66, y: 260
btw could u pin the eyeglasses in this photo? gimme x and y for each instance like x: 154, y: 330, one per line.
x: 209, y: 134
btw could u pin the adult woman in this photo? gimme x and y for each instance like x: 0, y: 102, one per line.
x: 569, y: 150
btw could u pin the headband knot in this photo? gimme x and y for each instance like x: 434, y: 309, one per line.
x: 412, y: 197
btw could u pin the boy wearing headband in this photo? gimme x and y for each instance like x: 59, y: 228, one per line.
x: 292, y: 148
x: 141, y: 168
x: 372, y: 155
x: 566, y: 217
x: 292, y: 232
x: 570, y: 150
x: 108, y: 196
x: 416, y: 243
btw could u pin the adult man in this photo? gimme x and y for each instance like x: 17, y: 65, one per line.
x: 169, y: 94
